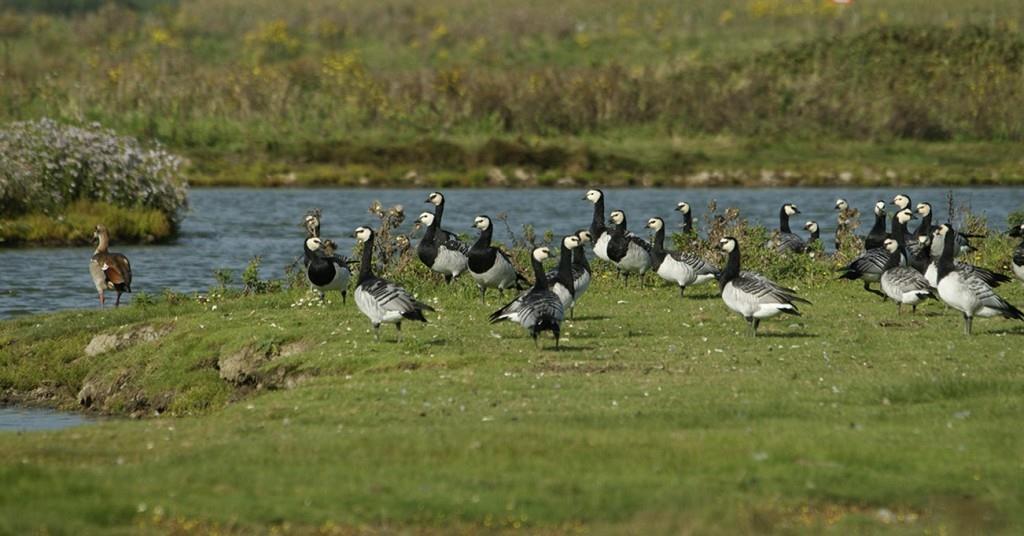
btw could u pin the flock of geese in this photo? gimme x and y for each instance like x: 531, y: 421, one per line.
x: 910, y: 266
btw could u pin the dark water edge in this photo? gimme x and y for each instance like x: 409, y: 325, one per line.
x: 225, y: 227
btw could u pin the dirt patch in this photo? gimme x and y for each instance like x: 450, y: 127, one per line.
x: 249, y: 366
x: 110, y: 342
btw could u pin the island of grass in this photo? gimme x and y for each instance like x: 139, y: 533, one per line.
x: 271, y: 411
x: 58, y: 181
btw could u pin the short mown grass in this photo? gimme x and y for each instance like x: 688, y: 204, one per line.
x: 658, y: 415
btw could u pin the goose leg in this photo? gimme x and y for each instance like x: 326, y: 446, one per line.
x: 867, y: 287
x: 556, y: 340
x: 757, y: 322
x: 376, y: 332
x: 117, y: 301
x: 448, y: 278
x: 899, y: 308
x: 103, y: 299
x: 913, y: 309
x: 344, y: 297
x: 682, y: 291
x: 398, y: 327
x: 482, y: 292
x: 967, y: 324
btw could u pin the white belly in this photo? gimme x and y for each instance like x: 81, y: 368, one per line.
x: 377, y: 314
x: 744, y: 304
x: 955, y: 293
x: 932, y: 275
x: 636, y: 260
x: 450, y: 262
x: 677, y: 272
x: 1018, y: 270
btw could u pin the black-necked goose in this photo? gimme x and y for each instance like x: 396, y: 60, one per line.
x: 931, y: 269
x: 903, y: 284
x: 902, y: 201
x: 868, y: 267
x: 325, y: 270
x: 382, y: 301
x: 687, y: 226
x: 877, y: 235
x: 581, y: 273
x: 539, y: 308
x: 628, y: 252
x: 786, y: 241
x: 562, y: 280
x: 1017, y: 262
x: 966, y: 293
x: 598, y: 231
x: 962, y: 241
x: 753, y: 297
x: 441, y: 250
x: 488, y: 265
x: 109, y: 271
x: 679, y: 267
x: 812, y: 227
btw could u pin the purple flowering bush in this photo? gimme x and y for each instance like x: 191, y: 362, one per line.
x: 46, y: 166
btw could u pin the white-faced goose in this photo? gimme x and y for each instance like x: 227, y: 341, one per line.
x: 489, y: 266
x: 561, y: 281
x: 109, y: 271
x: 628, y: 252
x: 441, y: 250
x: 580, y: 268
x: 538, y: 309
x: 382, y: 301
x: 932, y: 254
x: 901, y: 201
x: 679, y: 267
x: 903, y: 284
x: 598, y: 231
x: 966, y: 293
x: 786, y: 241
x: 812, y: 227
x: 962, y: 241
x: 877, y: 235
x: 753, y: 298
x: 1017, y: 262
x: 325, y: 270
x: 686, y: 227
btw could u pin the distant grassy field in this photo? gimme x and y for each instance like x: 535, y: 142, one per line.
x: 659, y: 415
x: 716, y: 91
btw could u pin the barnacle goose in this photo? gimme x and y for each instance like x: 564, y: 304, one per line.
x: 580, y: 267
x: 1017, y: 262
x: 687, y: 226
x: 598, y: 231
x: 904, y: 284
x: 962, y: 243
x: 786, y: 241
x: 931, y: 272
x: 562, y: 280
x: 842, y: 220
x: 679, y: 267
x: 869, y: 265
x: 629, y: 253
x: 901, y: 201
x: 441, y: 250
x: 752, y: 296
x: 812, y: 227
x: 537, y: 309
x: 876, y: 236
x: 489, y: 266
x: 382, y: 301
x: 109, y: 271
x: 964, y: 292
x: 324, y: 270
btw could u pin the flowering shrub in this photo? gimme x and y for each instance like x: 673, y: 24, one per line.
x: 46, y: 165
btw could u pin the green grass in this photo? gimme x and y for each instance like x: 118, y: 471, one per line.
x: 76, y: 223
x: 657, y: 416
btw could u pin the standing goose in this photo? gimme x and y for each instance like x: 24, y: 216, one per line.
x: 904, y: 284
x: 538, y: 309
x: 489, y: 266
x: 679, y: 267
x: 629, y: 253
x: 598, y: 231
x: 867, y: 267
x: 441, y: 250
x: 786, y: 240
x: 753, y: 297
x: 876, y: 236
x: 562, y: 281
x: 964, y: 292
x: 110, y: 271
x: 687, y: 226
x: 931, y: 269
x: 324, y: 270
x: 812, y: 227
x: 962, y: 242
x: 382, y: 301
x: 580, y: 268
x: 1017, y: 262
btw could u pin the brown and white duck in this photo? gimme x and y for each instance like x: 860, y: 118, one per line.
x: 110, y: 271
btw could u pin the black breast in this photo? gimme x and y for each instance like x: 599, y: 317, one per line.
x: 482, y: 259
x: 321, y: 271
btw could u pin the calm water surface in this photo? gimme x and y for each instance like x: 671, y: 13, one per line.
x: 226, y: 227
x: 16, y: 419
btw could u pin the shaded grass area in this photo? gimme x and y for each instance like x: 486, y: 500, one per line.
x: 76, y: 222
x: 658, y: 416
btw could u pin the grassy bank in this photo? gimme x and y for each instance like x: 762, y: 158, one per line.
x: 385, y: 92
x: 658, y: 416
x: 75, y: 225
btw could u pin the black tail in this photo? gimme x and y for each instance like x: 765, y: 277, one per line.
x: 1013, y: 313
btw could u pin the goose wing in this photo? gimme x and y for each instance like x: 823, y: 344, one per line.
x: 988, y: 297
x: 990, y: 278
x: 450, y: 241
x: 391, y: 297
x: 699, y: 265
x: 511, y: 310
x: 634, y: 239
x: 907, y: 279
x: 538, y: 305
x: 763, y: 291
x: 871, y: 261
x: 789, y: 242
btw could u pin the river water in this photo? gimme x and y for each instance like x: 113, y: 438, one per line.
x: 14, y: 419
x: 226, y: 227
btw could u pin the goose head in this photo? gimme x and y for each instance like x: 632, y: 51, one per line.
x: 683, y: 207
x: 924, y: 240
x: 584, y: 235
x: 312, y: 222
x: 617, y: 217
x: 655, y: 224
x: 425, y: 220
x: 482, y: 222
x: 905, y: 216
x: 880, y: 208
x: 541, y: 254
x: 890, y: 245
x: 593, y: 196
x: 571, y: 242
x: 727, y: 244
x: 811, y: 226
x: 790, y: 209
x: 924, y: 209
x: 901, y: 201
x: 941, y: 231
x: 100, y: 231
x: 314, y: 243
x: 841, y: 204
x: 362, y: 234
x: 436, y: 198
